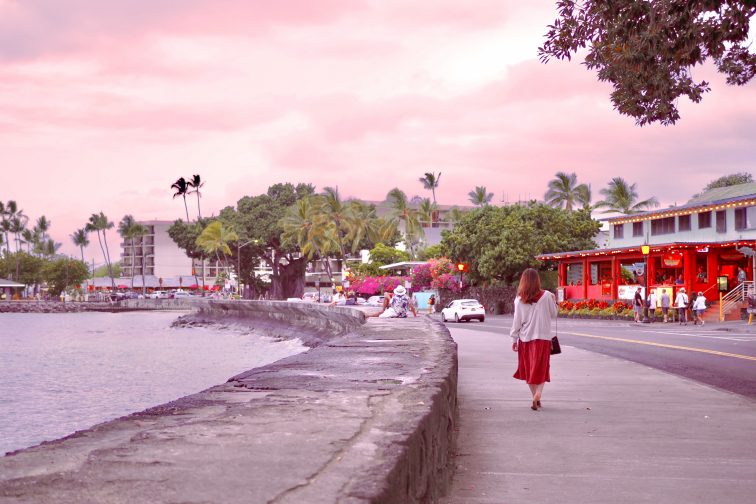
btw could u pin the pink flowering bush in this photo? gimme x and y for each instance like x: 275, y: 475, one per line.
x: 448, y: 281
x: 370, y: 285
x: 421, y: 276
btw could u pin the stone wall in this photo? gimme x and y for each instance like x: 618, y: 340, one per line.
x: 367, y: 415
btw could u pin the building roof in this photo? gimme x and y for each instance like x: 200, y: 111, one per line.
x: 636, y: 249
x: 402, y: 264
x: 740, y: 195
x: 5, y: 283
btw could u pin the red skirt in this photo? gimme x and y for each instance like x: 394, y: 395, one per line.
x: 533, y: 361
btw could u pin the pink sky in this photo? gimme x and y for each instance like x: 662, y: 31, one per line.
x: 104, y: 104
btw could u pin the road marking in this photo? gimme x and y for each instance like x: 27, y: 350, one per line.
x: 717, y: 336
x: 665, y: 345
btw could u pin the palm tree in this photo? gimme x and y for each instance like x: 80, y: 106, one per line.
x: 565, y: 191
x: 426, y: 211
x: 430, y: 181
x: 81, y: 240
x: 30, y: 238
x: 622, y: 198
x: 401, y: 211
x: 195, y: 183
x: 128, y: 228
x: 215, y: 238
x: 181, y: 190
x: 337, y: 213
x: 100, y: 224
x: 480, y: 196
x: 43, y: 226
x: 305, y: 227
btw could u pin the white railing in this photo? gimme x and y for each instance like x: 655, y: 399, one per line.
x: 735, y: 298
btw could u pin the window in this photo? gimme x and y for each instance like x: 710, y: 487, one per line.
x: 721, y: 221
x: 740, y: 219
x: 663, y: 226
x: 637, y: 228
x: 619, y: 231
x: 704, y: 220
x: 683, y: 223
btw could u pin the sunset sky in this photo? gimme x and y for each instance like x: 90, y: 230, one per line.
x: 104, y: 104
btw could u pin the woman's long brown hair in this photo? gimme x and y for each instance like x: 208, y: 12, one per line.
x: 529, y: 289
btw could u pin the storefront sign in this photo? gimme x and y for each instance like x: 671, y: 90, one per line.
x: 672, y: 259
x: 703, y: 250
x: 628, y: 291
x: 722, y: 284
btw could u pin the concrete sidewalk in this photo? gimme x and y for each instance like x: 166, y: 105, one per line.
x: 610, y: 431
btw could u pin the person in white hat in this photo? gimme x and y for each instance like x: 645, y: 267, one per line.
x: 681, y: 303
x: 400, y: 303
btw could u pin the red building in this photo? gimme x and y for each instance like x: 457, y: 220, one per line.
x: 688, y: 246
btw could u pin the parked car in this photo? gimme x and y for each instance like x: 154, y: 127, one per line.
x: 463, y: 309
x: 375, y: 301
x: 180, y: 294
x: 158, y: 295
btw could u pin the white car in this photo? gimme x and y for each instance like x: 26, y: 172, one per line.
x: 463, y: 309
x: 158, y: 295
x: 181, y: 294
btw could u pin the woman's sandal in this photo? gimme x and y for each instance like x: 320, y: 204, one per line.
x: 534, y: 406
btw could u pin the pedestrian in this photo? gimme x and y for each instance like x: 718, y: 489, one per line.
x: 699, y: 307
x: 652, y: 306
x: 665, y: 304
x: 399, y: 305
x: 531, y: 333
x: 741, y: 275
x: 432, y: 304
x: 638, y: 304
x: 681, y: 303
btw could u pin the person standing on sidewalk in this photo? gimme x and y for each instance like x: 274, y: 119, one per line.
x: 531, y: 333
x: 652, y: 306
x: 681, y: 303
x: 638, y: 304
x: 699, y: 307
x: 665, y: 304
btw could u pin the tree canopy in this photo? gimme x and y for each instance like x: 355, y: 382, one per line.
x: 647, y: 50
x: 729, y: 180
x: 499, y: 242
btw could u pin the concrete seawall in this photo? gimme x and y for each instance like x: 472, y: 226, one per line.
x: 367, y: 415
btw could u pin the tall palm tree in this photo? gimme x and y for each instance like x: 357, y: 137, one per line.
x: 215, y: 238
x: 480, y: 196
x: 43, y: 226
x: 565, y: 191
x: 401, y: 211
x: 196, y: 184
x: 620, y: 197
x: 181, y: 190
x: 131, y: 230
x: 430, y: 181
x: 100, y: 224
x: 80, y: 238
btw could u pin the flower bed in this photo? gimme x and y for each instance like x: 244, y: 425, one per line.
x: 593, y: 308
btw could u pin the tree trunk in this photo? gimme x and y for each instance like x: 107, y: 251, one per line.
x: 199, y: 212
x: 290, y: 280
x: 107, y: 258
x: 187, y: 210
x: 144, y: 259
x: 133, y: 254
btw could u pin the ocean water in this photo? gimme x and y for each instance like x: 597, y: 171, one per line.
x: 60, y: 373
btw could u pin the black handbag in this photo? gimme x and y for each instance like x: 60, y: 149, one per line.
x: 555, y: 348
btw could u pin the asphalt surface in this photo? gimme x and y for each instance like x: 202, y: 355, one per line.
x: 719, y: 354
x: 610, y: 430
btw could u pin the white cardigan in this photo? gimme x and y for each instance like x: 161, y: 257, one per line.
x: 533, y: 321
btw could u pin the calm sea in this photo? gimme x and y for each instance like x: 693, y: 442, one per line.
x: 64, y: 372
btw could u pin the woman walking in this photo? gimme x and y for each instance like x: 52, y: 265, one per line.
x: 699, y: 307
x: 531, y: 333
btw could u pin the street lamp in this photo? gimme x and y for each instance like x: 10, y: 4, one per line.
x: 645, y: 249
x: 238, y: 263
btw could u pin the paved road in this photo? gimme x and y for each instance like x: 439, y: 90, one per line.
x: 722, y: 355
